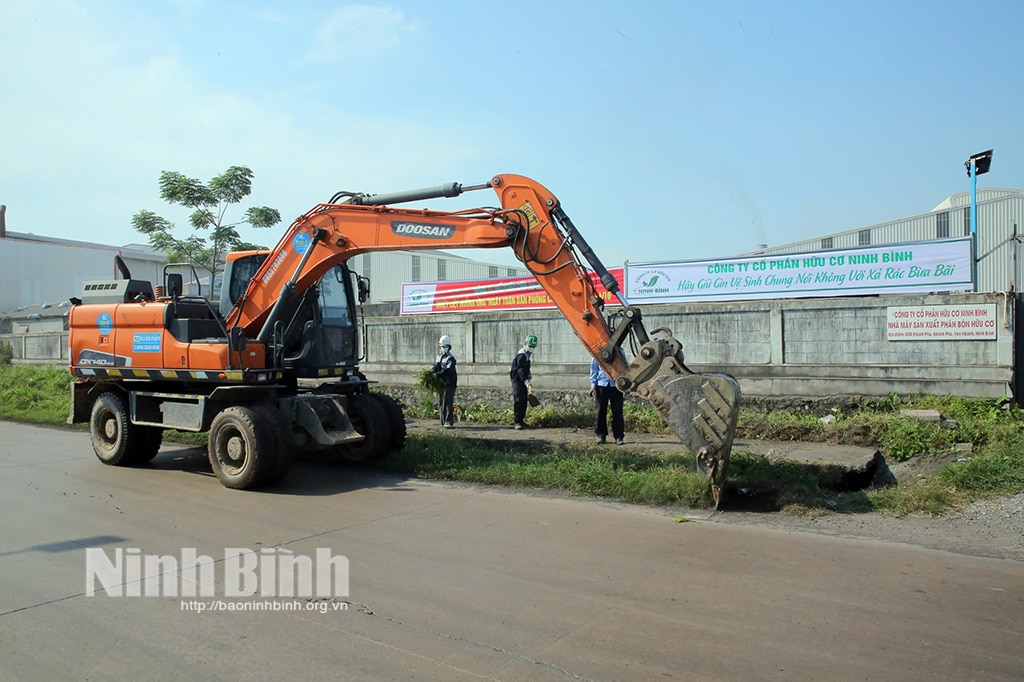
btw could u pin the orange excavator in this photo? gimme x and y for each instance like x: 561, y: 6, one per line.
x: 146, y: 358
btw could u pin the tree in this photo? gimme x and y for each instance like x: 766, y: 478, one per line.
x: 209, y: 203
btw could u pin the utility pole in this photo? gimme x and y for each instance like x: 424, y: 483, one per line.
x: 977, y: 165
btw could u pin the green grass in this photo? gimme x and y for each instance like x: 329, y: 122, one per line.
x: 41, y: 395
x: 6, y: 354
x: 38, y: 395
x: 880, y: 424
x: 624, y: 476
x: 997, y: 471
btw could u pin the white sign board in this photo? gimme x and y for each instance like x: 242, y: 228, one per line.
x: 941, y: 322
x: 941, y: 265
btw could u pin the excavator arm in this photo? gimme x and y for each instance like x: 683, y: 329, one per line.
x: 700, y: 408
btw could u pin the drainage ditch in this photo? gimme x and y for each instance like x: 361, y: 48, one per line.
x: 763, y: 495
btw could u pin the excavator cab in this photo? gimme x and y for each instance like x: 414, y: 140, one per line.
x: 317, y: 335
x: 322, y: 334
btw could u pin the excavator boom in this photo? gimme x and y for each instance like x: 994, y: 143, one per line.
x: 701, y: 408
x: 149, y: 359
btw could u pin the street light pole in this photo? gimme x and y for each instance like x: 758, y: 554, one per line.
x: 977, y: 165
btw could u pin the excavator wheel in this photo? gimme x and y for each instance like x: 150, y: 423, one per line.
x: 115, y: 440
x: 284, y: 442
x: 397, y: 418
x: 370, y: 419
x: 242, y: 447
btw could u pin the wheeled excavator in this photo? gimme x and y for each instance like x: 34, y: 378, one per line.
x: 273, y: 366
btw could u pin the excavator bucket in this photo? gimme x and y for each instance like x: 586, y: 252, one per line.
x: 701, y: 409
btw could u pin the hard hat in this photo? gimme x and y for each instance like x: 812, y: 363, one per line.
x: 531, y: 341
x: 444, y: 340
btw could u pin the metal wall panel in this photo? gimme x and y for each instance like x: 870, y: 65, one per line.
x: 1000, y: 215
x: 36, y: 272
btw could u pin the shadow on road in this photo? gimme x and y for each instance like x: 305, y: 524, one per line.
x: 309, y: 475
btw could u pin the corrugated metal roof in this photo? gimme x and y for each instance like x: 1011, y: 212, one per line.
x: 984, y: 194
x: 141, y: 251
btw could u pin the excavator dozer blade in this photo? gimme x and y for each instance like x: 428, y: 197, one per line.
x: 702, y: 410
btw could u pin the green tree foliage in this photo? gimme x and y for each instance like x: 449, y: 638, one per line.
x: 209, y: 203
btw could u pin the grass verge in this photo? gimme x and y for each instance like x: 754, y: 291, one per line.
x: 37, y: 395
x: 41, y: 395
x: 627, y: 477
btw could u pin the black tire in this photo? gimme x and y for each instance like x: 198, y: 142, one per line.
x: 284, y: 442
x: 151, y: 437
x: 241, y: 447
x: 397, y: 418
x: 115, y: 440
x: 369, y: 419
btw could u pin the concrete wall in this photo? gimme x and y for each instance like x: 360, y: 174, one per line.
x: 42, y: 348
x: 800, y: 348
x: 805, y: 348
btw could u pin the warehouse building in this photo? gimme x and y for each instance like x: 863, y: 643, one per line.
x: 37, y: 270
x: 1000, y: 222
x: 387, y: 270
x: 39, y: 274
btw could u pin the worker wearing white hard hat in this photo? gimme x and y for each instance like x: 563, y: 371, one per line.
x: 444, y: 369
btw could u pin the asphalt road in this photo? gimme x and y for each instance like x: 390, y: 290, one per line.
x: 455, y: 582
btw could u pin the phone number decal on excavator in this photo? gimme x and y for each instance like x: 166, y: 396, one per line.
x: 275, y: 265
x: 146, y: 342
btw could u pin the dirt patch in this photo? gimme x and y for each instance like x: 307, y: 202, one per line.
x: 920, y: 466
x: 990, y: 528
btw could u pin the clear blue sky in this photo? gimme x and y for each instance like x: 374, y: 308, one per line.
x: 669, y: 130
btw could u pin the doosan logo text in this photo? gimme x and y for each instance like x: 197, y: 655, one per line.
x: 424, y: 230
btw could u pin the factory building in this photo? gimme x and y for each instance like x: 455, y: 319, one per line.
x: 37, y: 271
x: 387, y: 270
x: 999, y: 234
x: 39, y: 274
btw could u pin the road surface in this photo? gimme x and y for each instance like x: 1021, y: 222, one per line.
x: 451, y: 582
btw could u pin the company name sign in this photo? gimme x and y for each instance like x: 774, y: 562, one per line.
x: 943, y: 265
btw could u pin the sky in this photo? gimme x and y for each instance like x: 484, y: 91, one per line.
x: 672, y: 130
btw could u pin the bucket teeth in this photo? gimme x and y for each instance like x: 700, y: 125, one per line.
x: 702, y: 410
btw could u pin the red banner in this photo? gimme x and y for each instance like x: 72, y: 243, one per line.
x: 513, y: 293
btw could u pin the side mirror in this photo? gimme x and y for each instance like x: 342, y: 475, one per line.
x: 363, y: 285
x: 175, y: 284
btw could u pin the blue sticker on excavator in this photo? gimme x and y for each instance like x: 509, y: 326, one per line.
x: 105, y: 323
x: 301, y: 242
x: 146, y: 342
